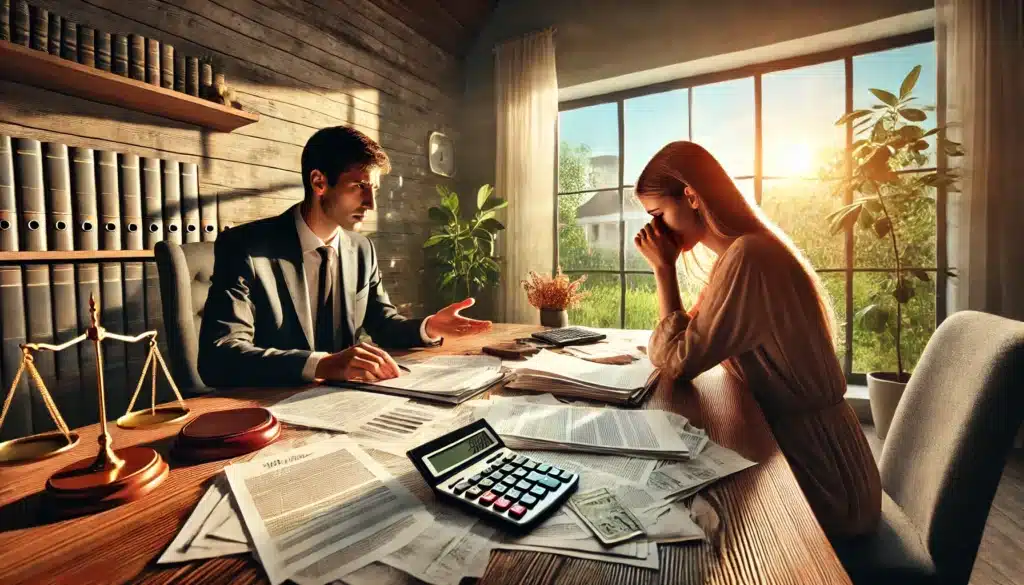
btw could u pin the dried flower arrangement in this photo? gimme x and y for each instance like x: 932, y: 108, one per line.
x: 554, y: 293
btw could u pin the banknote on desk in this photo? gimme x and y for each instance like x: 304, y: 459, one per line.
x: 607, y: 518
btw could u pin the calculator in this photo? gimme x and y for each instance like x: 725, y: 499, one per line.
x: 472, y: 467
x: 569, y: 336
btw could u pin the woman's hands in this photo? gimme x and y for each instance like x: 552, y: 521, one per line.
x: 658, y: 244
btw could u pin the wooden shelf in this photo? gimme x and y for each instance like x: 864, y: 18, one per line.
x: 25, y: 65
x: 75, y: 256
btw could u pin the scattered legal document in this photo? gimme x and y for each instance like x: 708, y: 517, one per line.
x: 188, y: 545
x: 565, y: 375
x: 638, y: 433
x: 321, y: 511
x: 333, y: 409
x: 450, y: 379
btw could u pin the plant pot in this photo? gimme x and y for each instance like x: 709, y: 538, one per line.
x: 884, y: 393
x: 554, y: 318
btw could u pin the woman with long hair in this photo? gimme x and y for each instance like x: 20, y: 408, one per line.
x: 764, y: 314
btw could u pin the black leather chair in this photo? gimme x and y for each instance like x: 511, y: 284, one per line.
x: 944, y: 455
x: 185, y: 272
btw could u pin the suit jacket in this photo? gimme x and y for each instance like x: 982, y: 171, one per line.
x: 256, y: 324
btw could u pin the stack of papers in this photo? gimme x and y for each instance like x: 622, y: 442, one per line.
x: 450, y: 379
x: 564, y: 375
x: 638, y: 433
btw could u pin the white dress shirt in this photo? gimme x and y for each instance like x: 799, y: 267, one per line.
x: 309, y: 243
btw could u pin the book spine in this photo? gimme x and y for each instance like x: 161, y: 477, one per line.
x: 109, y: 200
x: 137, y: 57
x: 206, y: 81
x: 87, y: 275
x: 87, y: 46
x: 69, y: 40
x: 111, y: 284
x: 84, y: 212
x: 190, y: 202
x: 54, y: 38
x: 167, y: 66
x: 172, y: 201
x: 134, y: 277
x: 8, y: 198
x: 179, y: 73
x: 18, y: 422
x: 103, y: 51
x: 5, y: 20
x: 62, y: 279
x: 20, y: 31
x: 120, y: 63
x: 28, y: 160
x: 192, y: 76
x: 153, y: 61
x: 39, y: 20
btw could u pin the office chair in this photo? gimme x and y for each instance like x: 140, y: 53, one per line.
x: 945, y: 454
x: 185, y: 272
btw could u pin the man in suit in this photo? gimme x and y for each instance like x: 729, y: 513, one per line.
x: 292, y: 294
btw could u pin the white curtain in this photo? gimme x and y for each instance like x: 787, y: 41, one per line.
x: 526, y: 91
x: 982, y: 42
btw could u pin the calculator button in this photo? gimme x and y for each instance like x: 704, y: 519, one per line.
x: 520, y: 460
x: 497, y: 476
x: 538, y: 491
x: 513, y: 494
x: 534, y: 476
x: 530, y: 464
x: 502, y: 504
x: 509, y: 457
x: 566, y: 476
x: 499, y: 489
x: 489, y: 469
x: 543, y: 468
x: 473, y: 492
x: 492, y: 459
x: 550, y: 483
x: 517, y: 511
x: 509, y: 480
x: 524, y: 485
x: 528, y: 500
x: 508, y: 468
x: 488, y: 498
x: 475, y: 478
x: 554, y: 472
x: 485, y: 483
x: 520, y: 472
x: 461, y: 487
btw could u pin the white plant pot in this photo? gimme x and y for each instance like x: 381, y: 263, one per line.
x: 884, y: 393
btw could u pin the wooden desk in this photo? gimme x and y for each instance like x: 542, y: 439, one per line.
x: 770, y: 534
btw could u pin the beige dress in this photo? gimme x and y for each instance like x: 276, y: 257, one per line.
x: 758, y: 315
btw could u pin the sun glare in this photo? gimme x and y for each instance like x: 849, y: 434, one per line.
x: 799, y: 159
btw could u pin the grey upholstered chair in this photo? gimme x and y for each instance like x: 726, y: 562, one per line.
x: 944, y: 454
x: 185, y: 273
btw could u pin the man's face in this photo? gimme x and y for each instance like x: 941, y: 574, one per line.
x: 355, y: 192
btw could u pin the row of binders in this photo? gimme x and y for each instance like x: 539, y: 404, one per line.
x: 57, y: 198
x: 128, y: 55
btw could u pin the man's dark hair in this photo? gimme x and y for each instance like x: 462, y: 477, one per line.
x: 338, y: 149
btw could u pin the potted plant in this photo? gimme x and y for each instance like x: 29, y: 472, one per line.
x: 554, y: 296
x: 890, y: 139
x: 463, y: 250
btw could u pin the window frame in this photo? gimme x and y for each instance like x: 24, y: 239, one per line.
x: 756, y: 71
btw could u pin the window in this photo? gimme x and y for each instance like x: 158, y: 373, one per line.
x: 772, y: 128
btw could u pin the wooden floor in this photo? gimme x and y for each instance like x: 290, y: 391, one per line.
x: 1001, y: 555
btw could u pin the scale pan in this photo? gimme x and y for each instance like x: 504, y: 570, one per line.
x: 161, y: 415
x: 36, y: 447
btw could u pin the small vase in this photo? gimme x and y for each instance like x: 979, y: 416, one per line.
x: 884, y: 393
x: 554, y: 318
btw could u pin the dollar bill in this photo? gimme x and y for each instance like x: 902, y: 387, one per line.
x: 608, y: 519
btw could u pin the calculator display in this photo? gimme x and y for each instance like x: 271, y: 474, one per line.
x: 449, y: 457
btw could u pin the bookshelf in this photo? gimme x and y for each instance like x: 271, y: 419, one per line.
x: 74, y: 256
x: 24, y: 65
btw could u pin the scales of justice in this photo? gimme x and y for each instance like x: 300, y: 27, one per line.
x: 114, y: 476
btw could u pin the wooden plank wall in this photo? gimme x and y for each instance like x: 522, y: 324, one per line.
x: 302, y: 65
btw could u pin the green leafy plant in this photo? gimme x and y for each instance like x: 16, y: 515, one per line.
x: 890, y: 139
x: 463, y: 250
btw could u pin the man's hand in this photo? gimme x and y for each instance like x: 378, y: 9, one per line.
x: 658, y: 244
x: 449, y: 323
x: 360, y: 363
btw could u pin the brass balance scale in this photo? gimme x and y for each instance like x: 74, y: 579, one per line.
x: 114, y: 476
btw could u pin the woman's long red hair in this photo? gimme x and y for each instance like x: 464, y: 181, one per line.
x: 724, y: 210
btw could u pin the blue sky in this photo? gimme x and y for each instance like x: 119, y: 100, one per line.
x: 799, y: 108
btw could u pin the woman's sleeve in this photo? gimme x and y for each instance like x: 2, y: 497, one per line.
x: 731, y: 318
